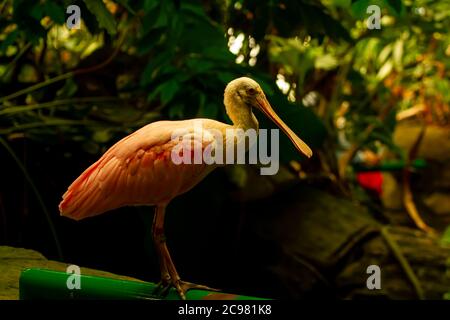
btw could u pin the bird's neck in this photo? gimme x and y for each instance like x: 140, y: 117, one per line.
x: 241, y: 116
x: 243, y: 119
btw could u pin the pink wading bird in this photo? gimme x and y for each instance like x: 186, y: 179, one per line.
x: 138, y: 170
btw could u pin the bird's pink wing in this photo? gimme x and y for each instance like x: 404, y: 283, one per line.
x: 138, y: 170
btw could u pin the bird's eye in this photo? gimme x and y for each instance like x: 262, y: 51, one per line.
x: 251, y: 91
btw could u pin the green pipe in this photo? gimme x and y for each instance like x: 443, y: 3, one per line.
x: 43, y: 284
x: 391, y: 165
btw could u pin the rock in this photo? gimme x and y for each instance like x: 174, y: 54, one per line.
x: 426, y: 257
x: 439, y: 202
x: 14, y: 260
x: 392, y: 194
x: 434, y: 146
x: 430, y: 185
x: 324, y: 245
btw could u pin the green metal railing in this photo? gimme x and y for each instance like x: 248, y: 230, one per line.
x: 391, y: 165
x: 46, y: 284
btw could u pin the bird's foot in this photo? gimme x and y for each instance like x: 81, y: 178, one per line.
x: 161, y: 289
x: 183, y: 286
x: 163, y: 286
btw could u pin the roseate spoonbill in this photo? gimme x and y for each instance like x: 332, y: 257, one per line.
x: 138, y: 170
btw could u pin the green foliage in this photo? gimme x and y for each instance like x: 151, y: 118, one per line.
x: 181, y: 66
x: 104, y: 17
x: 362, y: 83
x: 393, y: 7
x: 50, y: 9
x: 286, y: 19
x: 146, y: 60
x: 445, y: 240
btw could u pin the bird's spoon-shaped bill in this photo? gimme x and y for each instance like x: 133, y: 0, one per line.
x: 266, y: 108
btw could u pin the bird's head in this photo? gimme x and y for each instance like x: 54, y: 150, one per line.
x: 244, y: 90
x: 246, y: 93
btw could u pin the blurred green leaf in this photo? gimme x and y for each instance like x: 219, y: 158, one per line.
x: 150, y: 40
x: 10, y: 39
x: 359, y: 8
x: 91, y: 147
x: 168, y: 91
x: 326, y: 62
x: 397, y: 54
x: 104, y: 17
x: 176, y: 111
x: 68, y: 90
x: 208, y: 110
x: 127, y: 6
x: 150, y: 4
x: 396, y: 6
x: 445, y: 240
x: 101, y: 136
x: 55, y: 11
x: 384, y: 54
x: 385, y: 70
x: 238, y: 175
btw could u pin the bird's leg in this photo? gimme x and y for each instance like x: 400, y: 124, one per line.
x: 158, y: 239
x: 169, y: 273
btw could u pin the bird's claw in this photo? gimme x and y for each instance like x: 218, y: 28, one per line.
x: 163, y: 287
x: 183, y: 286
